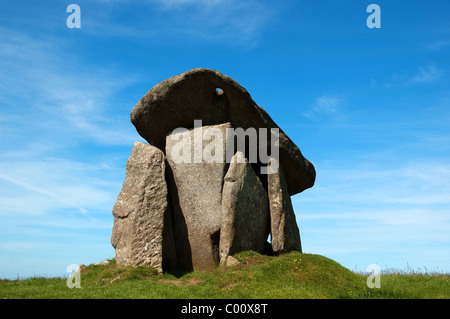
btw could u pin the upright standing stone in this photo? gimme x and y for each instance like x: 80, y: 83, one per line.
x: 142, y: 232
x: 245, y: 215
x: 285, y: 235
x: 197, y: 167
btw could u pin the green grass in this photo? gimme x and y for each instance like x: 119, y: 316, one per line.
x: 291, y: 275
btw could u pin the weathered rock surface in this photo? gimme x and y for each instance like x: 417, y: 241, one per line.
x: 231, y: 261
x: 183, y: 203
x: 285, y: 235
x: 142, y: 232
x: 245, y: 214
x: 179, y: 100
x: 196, y: 193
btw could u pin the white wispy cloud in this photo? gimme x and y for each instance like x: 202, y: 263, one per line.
x: 47, y: 110
x: 412, y: 184
x: 39, y: 186
x: 325, y: 106
x: 177, y: 3
x: 438, y: 45
x: 423, y: 74
x: 230, y: 23
x: 426, y: 74
x: 52, y: 91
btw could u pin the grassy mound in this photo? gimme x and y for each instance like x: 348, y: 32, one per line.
x: 291, y: 275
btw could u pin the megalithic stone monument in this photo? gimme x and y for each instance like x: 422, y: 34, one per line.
x: 199, y: 193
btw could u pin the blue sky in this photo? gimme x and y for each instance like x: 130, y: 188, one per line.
x: 369, y: 107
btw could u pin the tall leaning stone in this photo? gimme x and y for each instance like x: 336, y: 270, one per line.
x: 285, y: 235
x: 245, y: 214
x: 197, y: 165
x: 142, y: 232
